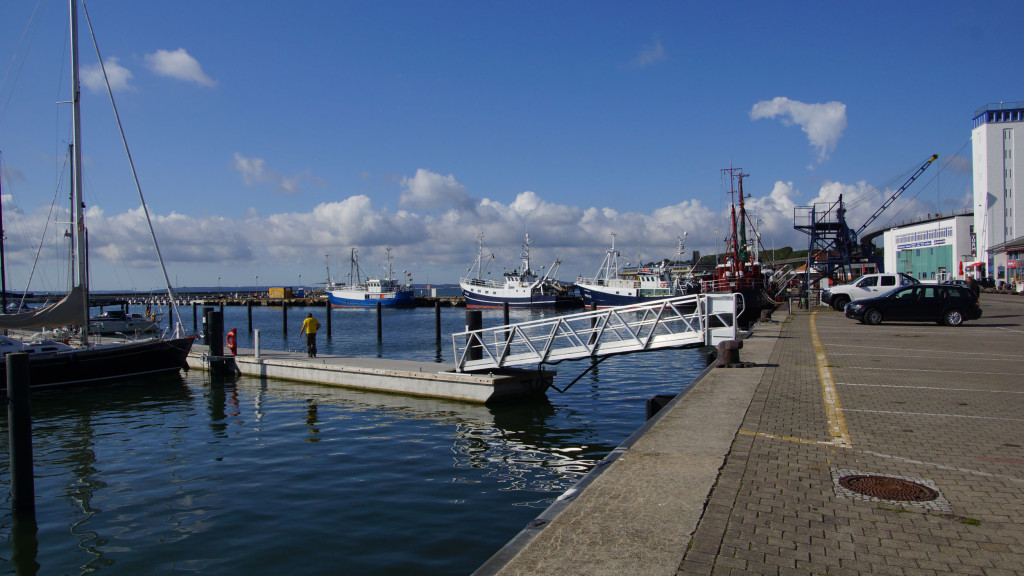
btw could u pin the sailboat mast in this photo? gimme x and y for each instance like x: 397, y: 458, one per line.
x: 3, y: 268
x: 79, y: 205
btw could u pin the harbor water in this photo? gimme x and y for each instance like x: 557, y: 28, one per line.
x: 184, y: 474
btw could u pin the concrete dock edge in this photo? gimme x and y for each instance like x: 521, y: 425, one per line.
x: 658, y: 480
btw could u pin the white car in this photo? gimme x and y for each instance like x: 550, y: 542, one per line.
x: 867, y: 286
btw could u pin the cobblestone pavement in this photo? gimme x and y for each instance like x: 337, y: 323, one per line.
x: 937, y: 406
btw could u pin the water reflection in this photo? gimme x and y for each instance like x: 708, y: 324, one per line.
x: 516, y: 443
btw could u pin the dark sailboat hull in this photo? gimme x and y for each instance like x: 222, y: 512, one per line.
x: 106, y: 362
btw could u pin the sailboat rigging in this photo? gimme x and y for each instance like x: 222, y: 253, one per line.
x: 55, y: 364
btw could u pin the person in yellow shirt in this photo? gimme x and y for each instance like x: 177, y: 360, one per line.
x: 310, y: 326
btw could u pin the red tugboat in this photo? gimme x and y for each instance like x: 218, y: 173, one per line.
x: 739, y: 270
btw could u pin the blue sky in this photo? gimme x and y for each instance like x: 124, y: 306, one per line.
x: 270, y: 134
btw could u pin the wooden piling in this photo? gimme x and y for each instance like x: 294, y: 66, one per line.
x: 380, y: 326
x: 474, y: 321
x: 328, y: 311
x: 437, y: 322
x: 19, y: 424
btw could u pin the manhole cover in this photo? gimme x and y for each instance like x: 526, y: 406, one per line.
x: 888, y: 488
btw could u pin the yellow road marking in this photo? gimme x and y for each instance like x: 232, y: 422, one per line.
x: 786, y: 438
x: 833, y: 409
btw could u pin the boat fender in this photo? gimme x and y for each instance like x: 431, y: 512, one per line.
x: 231, y: 342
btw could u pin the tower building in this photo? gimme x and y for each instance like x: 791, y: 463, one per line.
x: 997, y: 140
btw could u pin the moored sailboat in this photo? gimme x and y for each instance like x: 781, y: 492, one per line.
x: 52, y: 364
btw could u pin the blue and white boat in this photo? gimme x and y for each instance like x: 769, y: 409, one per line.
x: 520, y: 288
x: 358, y: 293
x: 612, y: 286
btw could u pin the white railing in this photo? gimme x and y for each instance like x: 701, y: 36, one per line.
x: 683, y: 321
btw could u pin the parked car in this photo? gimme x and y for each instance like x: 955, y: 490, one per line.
x: 988, y: 282
x: 942, y: 303
x: 866, y: 286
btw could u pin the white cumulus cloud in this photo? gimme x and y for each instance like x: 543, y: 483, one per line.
x: 428, y: 190
x: 119, y: 76
x: 178, y: 64
x: 823, y: 123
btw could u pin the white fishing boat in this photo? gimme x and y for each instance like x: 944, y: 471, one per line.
x: 613, y: 285
x: 520, y: 288
x: 360, y: 293
x: 60, y: 363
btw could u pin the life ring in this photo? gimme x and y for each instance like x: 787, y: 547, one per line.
x: 230, y: 340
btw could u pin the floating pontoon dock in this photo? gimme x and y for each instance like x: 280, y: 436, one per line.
x: 398, y: 376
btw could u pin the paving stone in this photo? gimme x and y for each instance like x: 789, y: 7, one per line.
x: 944, y: 406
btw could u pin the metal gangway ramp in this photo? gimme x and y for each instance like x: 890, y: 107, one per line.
x: 679, y: 322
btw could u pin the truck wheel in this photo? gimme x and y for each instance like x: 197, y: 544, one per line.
x: 840, y: 302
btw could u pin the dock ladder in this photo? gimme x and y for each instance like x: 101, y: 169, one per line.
x: 679, y: 322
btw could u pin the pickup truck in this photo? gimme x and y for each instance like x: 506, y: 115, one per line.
x: 867, y: 286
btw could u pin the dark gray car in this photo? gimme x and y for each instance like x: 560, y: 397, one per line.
x: 944, y: 304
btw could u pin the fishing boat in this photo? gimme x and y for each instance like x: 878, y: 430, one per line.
x: 614, y: 286
x: 53, y: 363
x: 360, y: 293
x: 519, y: 288
x: 739, y: 270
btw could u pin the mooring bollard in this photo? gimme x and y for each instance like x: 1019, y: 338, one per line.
x: 474, y: 321
x: 19, y: 425
x: 729, y: 352
x: 284, y: 317
x: 248, y: 309
x: 195, y: 325
x: 504, y: 309
x: 380, y: 327
x: 256, y: 342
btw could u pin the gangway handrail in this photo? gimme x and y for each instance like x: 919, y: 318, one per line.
x: 681, y: 321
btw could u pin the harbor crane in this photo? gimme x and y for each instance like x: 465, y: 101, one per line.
x: 833, y: 244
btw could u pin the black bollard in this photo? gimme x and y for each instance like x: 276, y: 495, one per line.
x: 380, y: 332
x: 19, y: 425
x: 437, y: 321
x: 284, y: 317
x: 195, y: 326
x: 248, y: 309
x: 328, y: 319
x: 504, y: 310
x: 474, y: 321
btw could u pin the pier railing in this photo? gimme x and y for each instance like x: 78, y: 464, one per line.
x: 684, y: 321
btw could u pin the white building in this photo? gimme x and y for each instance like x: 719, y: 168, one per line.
x: 936, y: 249
x: 998, y: 207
